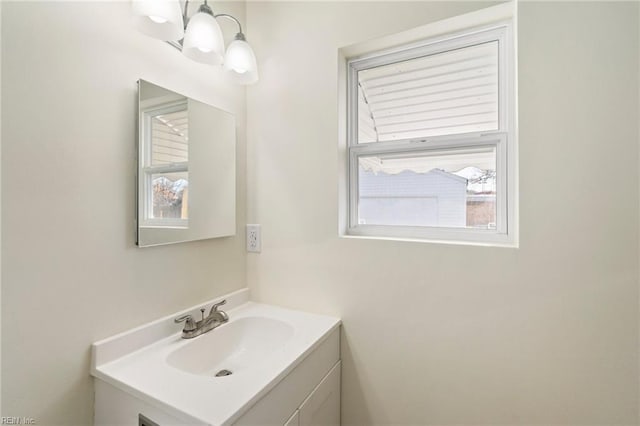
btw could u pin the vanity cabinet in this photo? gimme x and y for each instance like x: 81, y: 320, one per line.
x: 115, y: 407
x: 294, y: 420
x: 322, y: 407
x: 308, y: 394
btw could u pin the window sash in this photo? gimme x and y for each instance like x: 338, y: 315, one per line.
x: 148, y: 114
x: 497, y: 140
x: 425, y: 48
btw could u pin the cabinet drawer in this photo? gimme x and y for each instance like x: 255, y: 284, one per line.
x: 322, y: 407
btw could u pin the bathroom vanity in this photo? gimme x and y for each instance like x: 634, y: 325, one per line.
x: 265, y: 366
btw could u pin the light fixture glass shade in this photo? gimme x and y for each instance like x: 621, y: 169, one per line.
x: 161, y: 19
x: 240, y: 61
x: 203, y: 40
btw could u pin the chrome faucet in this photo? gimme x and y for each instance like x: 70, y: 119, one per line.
x: 194, y: 328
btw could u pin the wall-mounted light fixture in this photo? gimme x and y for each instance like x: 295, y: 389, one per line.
x: 198, y: 37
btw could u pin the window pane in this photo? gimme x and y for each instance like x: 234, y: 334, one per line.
x: 452, y: 92
x: 445, y: 188
x: 169, y: 138
x: 170, y: 195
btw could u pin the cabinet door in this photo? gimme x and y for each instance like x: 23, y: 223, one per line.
x: 293, y: 420
x: 322, y: 407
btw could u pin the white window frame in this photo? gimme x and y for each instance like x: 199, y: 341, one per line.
x: 504, y: 138
x: 148, y: 170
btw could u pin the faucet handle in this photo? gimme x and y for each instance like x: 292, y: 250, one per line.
x: 215, y: 306
x: 190, y: 325
x: 216, y: 314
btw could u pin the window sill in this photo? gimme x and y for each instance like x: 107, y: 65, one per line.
x: 427, y: 240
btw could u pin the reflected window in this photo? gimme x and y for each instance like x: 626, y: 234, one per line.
x: 166, y: 165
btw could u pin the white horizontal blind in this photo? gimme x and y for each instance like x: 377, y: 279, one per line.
x: 169, y: 138
x: 446, y: 93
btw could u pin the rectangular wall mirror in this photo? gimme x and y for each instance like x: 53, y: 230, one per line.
x: 186, y: 168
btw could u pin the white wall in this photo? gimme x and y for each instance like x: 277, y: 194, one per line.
x: 71, y: 272
x: 442, y: 334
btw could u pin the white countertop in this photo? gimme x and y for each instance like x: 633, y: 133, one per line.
x: 145, y: 373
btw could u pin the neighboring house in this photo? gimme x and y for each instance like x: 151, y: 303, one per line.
x: 435, y: 198
x: 466, y: 198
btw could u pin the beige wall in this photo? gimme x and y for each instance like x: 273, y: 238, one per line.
x: 72, y: 274
x: 444, y: 334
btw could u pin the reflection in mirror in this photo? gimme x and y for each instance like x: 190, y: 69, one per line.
x: 165, y: 165
x: 186, y: 168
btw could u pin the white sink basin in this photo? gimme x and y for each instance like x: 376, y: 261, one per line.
x: 260, y: 345
x: 235, y: 346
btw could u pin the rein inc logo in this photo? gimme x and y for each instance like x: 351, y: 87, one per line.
x: 11, y: 420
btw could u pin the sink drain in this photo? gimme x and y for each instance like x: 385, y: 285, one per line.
x: 223, y: 373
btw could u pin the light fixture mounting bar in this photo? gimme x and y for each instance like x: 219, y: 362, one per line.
x: 184, y: 13
x: 225, y: 15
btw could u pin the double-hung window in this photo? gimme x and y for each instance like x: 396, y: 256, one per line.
x: 431, y: 139
x: 164, y: 180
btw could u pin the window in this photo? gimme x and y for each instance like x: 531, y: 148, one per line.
x: 165, y: 153
x: 431, y: 139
